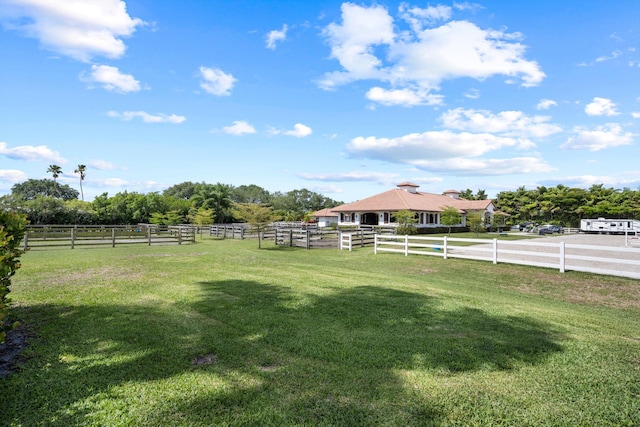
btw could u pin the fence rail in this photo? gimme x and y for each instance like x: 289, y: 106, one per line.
x: 50, y: 236
x: 624, y: 262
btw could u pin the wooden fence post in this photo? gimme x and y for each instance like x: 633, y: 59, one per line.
x: 113, y: 237
x: 180, y: 235
x: 149, y: 235
x: 562, y: 260
x: 73, y: 237
x: 308, y: 239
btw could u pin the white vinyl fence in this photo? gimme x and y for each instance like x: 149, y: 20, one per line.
x: 609, y: 260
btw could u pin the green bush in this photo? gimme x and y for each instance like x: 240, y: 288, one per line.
x: 12, y: 229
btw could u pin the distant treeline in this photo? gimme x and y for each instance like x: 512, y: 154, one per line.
x: 566, y: 206
x: 46, y: 201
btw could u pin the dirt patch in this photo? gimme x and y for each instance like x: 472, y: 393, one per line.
x: 207, y: 359
x: 15, y: 342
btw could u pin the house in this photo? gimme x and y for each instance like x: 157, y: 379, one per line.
x: 379, y: 209
x: 325, y: 217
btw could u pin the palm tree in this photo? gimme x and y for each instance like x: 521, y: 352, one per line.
x: 55, y: 171
x: 81, y: 170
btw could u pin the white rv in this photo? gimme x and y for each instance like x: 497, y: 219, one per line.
x: 609, y: 226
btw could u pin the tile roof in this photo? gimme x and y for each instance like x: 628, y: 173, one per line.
x: 398, y: 199
x: 324, y: 212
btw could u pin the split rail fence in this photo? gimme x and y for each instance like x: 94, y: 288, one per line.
x: 615, y: 261
x: 51, y: 236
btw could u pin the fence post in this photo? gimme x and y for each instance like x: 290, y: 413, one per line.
x: 406, y: 245
x: 308, y: 239
x: 290, y: 238
x: 73, y: 238
x: 180, y: 235
x: 113, y: 237
x: 444, y: 240
x: 350, y: 242
x: 495, y: 251
x: 149, y: 235
x: 375, y: 244
x: 562, y: 257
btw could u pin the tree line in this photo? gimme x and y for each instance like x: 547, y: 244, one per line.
x: 566, y: 206
x: 46, y: 201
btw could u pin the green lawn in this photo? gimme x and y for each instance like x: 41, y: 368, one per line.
x: 221, y: 333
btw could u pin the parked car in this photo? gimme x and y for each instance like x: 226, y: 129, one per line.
x: 526, y: 226
x: 550, y: 229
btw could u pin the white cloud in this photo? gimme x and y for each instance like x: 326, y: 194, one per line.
x: 147, y: 118
x: 613, y: 55
x: 239, y: 127
x: 110, y: 182
x: 509, y: 123
x: 216, y: 81
x: 601, y: 107
x: 353, y: 41
x: 299, y: 131
x: 31, y: 153
x: 112, y: 79
x: 606, y: 136
x: 368, y: 46
x: 78, y: 29
x: 351, y: 177
x: 102, y: 165
x: 481, y: 167
x: 434, y: 145
x: 419, y: 18
x: 545, y: 104
x: 404, y: 97
x: 472, y: 94
x: 636, y: 114
x: 12, y: 176
x: 275, y: 36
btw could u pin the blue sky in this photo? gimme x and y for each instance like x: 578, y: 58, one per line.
x: 345, y: 99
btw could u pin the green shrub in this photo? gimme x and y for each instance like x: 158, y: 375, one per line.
x: 12, y: 229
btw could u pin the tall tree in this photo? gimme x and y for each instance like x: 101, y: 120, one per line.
x: 55, y: 171
x: 32, y: 188
x: 81, y: 170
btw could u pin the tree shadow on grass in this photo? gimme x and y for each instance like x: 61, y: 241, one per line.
x: 271, y: 356
x: 333, y: 358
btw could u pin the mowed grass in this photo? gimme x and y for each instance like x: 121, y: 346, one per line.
x: 221, y: 333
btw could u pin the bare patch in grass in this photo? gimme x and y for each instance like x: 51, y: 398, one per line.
x: 90, y: 276
x: 207, y: 359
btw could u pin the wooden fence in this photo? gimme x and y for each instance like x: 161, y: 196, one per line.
x: 615, y: 261
x: 356, y: 238
x: 288, y: 234
x: 50, y: 236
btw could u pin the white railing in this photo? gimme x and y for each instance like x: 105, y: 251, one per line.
x: 609, y: 260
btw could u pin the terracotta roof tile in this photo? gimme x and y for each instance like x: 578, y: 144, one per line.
x: 398, y: 199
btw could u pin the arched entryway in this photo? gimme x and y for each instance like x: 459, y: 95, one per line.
x: 369, y: 218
